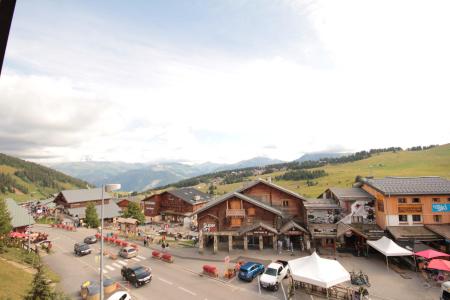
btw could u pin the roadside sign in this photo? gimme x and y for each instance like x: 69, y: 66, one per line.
x: 227, y: 259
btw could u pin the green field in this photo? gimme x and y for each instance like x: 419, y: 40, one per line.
x: 432, y: 162
x: 14, y: 283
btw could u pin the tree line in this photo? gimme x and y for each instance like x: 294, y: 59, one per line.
x: 301, y: 175
x: 33, y: 173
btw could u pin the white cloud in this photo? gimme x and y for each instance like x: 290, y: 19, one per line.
x: 124, y: 99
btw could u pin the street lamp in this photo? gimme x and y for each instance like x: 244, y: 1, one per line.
x: 105, y: 188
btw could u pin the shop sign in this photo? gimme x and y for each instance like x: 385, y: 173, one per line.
x: 409, y: 209
x: 444, y: 207
x: 209, y: 227
x: 293, y: 232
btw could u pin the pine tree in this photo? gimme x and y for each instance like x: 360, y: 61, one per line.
x: 92, y: 219
x: 5, y: 223
x: 40, y: 289
x: 134, y: 211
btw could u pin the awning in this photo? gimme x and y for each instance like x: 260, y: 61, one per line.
x: 258, y: 229
x: 389, y: 247
x: 292, y: 228
x: 318, y: 271
x: 439, y: 264
x: 416, y: 233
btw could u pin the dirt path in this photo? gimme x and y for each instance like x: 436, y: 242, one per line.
x: 27, y: 269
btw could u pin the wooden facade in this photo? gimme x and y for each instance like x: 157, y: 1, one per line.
x: 234, y: 213
x: 169, y: 206
x: 388, y: 208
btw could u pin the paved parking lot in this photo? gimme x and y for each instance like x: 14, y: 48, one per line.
x: 181, y: 280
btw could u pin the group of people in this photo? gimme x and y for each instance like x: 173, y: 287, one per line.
x: 289, y: 246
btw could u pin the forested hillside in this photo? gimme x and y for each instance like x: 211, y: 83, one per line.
x: 22, y: 180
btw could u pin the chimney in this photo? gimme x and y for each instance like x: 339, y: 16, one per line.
x: 269, y: 179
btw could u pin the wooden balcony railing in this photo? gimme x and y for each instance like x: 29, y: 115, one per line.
x: 235, y: 212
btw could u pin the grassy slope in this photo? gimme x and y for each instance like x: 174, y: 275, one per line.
x: 35, y: 191
x: 15, y: 282
x: 435, y: 161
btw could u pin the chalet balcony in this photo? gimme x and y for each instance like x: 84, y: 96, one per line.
x: 235, y: 213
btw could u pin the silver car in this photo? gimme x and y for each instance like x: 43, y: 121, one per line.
x: 128, y: 252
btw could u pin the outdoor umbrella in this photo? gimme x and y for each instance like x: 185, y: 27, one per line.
x: 439, y: 264
x: 430, y: 253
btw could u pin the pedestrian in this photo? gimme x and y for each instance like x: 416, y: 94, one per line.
x: 145, y: 241
x: 280, y: 246
x: 163, y: 246
x: 167, y: 246
x: 291, y: 246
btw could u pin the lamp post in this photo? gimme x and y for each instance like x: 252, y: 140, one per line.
x: 105, y: 188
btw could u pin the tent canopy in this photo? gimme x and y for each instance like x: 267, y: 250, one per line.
x: 318, y: 271
x: 388, y: 247
x: 430, y: 253
x: 439, y: 264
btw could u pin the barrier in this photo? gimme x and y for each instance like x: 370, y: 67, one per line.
x: 210, y: 270
x: 156, y: 254
x: 167, y: 258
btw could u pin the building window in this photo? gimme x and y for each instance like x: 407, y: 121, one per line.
x: 285, y: 203
x: 417, y: 218
x: 401, y: 200
x: 415, y: 200
x: 436, y: 200
x: 437, y: 218
x: 403, y: 218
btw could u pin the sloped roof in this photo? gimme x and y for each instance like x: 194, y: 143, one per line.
x: 110, y: 210
x: 240, y: 196
x: 275, y: 186
x: 190, y: 195
x: 442, y: 230
x: 243, y: 230
x: 412, y: 232
x: 321, y: 204
x: 389, y: 247
x: 19, y: 215
x: 426, y: 185
x: 292, y: 224
x: 83, y: 195
x: 345, y: 194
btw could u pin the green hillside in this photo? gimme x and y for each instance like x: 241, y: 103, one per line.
x: 23, y: 180
x: 431, y: 162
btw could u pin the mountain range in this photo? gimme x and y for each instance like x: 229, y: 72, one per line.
x: 142, y: 176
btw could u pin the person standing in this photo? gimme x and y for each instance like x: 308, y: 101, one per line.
x: 291, y: 246
x: 280, y: 246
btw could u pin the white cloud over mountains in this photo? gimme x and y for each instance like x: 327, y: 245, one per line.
x: 377, y: 77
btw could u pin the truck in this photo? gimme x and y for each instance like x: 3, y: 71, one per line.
x: 274, y: 274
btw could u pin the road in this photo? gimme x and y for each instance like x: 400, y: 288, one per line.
x: 170, y: 281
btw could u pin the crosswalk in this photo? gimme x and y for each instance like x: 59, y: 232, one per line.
x: 118, y: 264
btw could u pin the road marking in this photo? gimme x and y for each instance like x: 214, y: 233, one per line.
x: 109, y: 268
x: 141, y: 257
x: 117, y: 265
x: 123, y: 263
x: 135, y: 259
x: 164, y: 280
x: 312, y: 298
x: 187, y: 291
x: 104, y: 271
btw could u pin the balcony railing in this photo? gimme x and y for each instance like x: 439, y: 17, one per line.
x: 235, y: 212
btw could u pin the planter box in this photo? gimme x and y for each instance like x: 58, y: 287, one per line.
x: 167, y: 258
x: 156, y: 254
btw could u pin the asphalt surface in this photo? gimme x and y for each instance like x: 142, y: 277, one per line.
x: 170, y: 281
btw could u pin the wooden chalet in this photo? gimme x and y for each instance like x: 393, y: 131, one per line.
x: 252, y: 216
x: 174, y: 205
x: 74, y: 202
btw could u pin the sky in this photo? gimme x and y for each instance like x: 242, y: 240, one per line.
x: 223, y: 81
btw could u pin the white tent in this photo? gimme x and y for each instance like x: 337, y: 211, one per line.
x: 389, y: 248
x: 318, y: 271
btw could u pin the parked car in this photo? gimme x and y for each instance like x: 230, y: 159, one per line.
x: 274, y: 274
x: 82, y: 249
x: 250, y: 270
x: 90, y: 239
x: 128, y: 252
x: 137, y: 275
x: 120, y: 295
